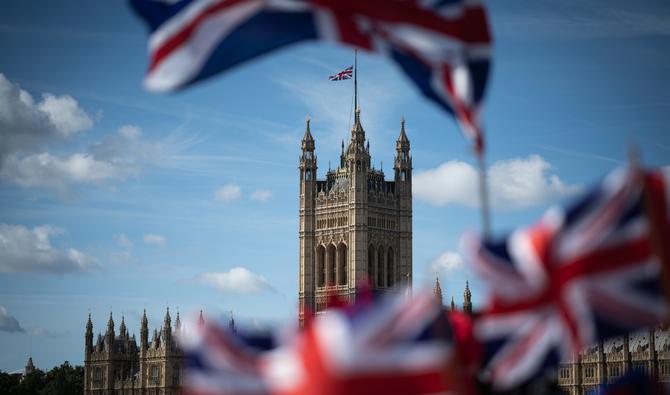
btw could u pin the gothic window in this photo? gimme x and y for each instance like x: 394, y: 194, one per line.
x: 330, y: 256
x: 342, y: 264
x: 589, y: 371
x: 380, y: 267
x: 665, y: 368
x: 358, y: 165
x: 153, y: 374
x: 97, y: 377
x: 308, y: 175
x: 565, y: 373
x: 389, y: 264
x: 175, y: 375
x: 371, y: 265
x: 403, y: 175
x: 320, y: 266
x: 614, y: 371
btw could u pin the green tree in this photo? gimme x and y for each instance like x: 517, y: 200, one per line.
x: 8, y: 382
x: 31, y: 384
x: 64, y: 380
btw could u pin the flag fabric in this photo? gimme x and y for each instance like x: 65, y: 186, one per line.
x: 443, y: 46
x: 397, y: 346
x: 580, y: 275
x: 345, y: 74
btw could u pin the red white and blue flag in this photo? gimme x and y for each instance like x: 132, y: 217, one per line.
x: 443, y: 46
x: 345, y: 74
x: 399, y: 346
x: 580, y: 275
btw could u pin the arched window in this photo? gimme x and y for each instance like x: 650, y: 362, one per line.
x: 389, y: 268
x: 175, y: 375
x: 153, y: 374
x: 331, y: 264
x: 371, y: 266
x: 97, y: 377
x: 342, y: 264
x: 320, y: 266
x: 380, y: 267
x: 403, y: 175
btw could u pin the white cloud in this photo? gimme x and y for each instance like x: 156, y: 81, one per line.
x: 26, y: 124
x: 117, y: 157
x: 513, y: 184
x: 123, y: 241
x: 30, y: 250
x: 228, y: 193
x: 261, y: 195
x: 236, y: 280
x: 8, y: 323
x: 447, y: 262
x: 65, y: 114
x: 155, y: 239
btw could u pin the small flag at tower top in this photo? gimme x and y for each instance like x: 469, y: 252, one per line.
x: 345, y: 74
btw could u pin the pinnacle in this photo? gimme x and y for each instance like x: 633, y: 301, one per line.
x: 308, y: 132
x: 403, y: 136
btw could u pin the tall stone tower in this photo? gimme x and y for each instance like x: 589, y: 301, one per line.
x: 354, y: 226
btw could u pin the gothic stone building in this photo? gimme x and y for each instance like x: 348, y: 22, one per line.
x: 354, y: 225
x: 116, y: 365
x: 609, y: 360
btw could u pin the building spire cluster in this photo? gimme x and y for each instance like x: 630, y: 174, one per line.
x: 467, y: 296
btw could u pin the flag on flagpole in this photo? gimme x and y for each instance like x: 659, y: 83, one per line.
x: 580, y: 275
x: 443, y: 47
x: 345, y: 74
x: 395, y: 346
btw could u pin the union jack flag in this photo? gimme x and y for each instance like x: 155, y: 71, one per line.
x: 580, y: 275
x: 399, y: 346
x: 343, y: 75
x: 443, y: 46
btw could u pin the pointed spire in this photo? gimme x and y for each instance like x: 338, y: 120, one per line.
x: 231, y: 323
x: 437, y: 290
x: 144, y: 332
x: 122, y: 328
x: 453, y: 305
x: 177, y: 323
x: 110, y: 323
x: 403, y: 136
x: 30, y: 367
x: 167, y: 321
x: 467, y: 298
x: 89, y: 325
x: 201, y: 319
x: 308, y: 131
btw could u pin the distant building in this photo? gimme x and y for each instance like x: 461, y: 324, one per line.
x: 605, y: 362
x: 467, y: 297
x: 354, y: 225
x: 115, y: 364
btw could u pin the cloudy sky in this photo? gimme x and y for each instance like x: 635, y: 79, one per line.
x: 114, y: 198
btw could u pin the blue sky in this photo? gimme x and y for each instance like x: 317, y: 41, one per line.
x: 112, y: 197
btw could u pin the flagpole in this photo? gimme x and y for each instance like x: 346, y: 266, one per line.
x: 484, y: 196
x: 355, y: 79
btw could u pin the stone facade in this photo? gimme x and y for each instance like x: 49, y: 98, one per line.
x: 605, y: 362
x: 354, y: 225
x: 116, y: 365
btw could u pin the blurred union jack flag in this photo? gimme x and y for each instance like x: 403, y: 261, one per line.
x: 343, y: 75
x: 591, y: 272
x: 443, y: 46
x: 400, y: 346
